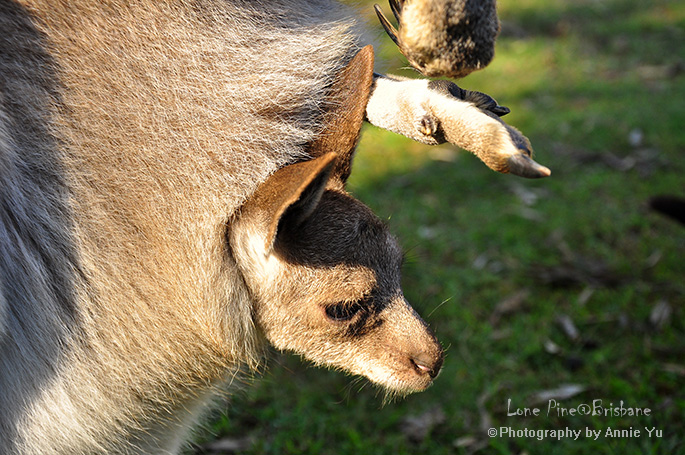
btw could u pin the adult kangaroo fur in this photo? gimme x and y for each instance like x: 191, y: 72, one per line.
x: 172, y: 181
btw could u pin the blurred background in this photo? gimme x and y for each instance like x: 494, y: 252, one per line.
x: 564, y: 290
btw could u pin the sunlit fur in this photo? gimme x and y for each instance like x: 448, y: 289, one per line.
x: 138, y: 276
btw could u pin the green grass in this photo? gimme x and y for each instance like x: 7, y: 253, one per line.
x: 580, y: 77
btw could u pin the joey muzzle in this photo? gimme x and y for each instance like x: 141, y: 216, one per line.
x: 421, y: 352
x: 428, y: 358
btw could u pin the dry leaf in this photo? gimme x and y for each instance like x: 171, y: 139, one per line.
x: 465, y: 441
x: 584, y: 296
x: 512, y: 304
x: 660, y: 315
x: 563, y: 392
x: 551, y: 347
x: 485, y: 419
x: 568, y: 327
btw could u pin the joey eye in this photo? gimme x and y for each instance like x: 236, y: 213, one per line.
x: 343, y: 311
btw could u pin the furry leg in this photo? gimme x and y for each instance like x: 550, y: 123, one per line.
x: 434, y: 112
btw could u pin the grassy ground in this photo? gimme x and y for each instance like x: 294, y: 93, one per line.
x: 505, y: 269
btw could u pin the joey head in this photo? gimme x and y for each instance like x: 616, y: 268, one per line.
x: 325, y: 282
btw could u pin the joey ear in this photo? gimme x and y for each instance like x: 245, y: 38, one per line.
x: 293, y: 191
x: 345, y: 112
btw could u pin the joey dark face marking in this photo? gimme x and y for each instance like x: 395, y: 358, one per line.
x: 341, y: 230
x: 357, y: 318
x: 344, y: 311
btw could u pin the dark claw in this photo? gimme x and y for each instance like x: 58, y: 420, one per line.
x: 524, y: 166
x: 396, y: 7
x: 448, y: 88
x: 485, y: 102
x: 389, y: 29
x: 479, y: 99
x: 500, y: 111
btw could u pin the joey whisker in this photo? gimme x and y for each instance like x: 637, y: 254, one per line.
x: 438, y: 306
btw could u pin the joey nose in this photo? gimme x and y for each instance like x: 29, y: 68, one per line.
x: 426, y: 363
